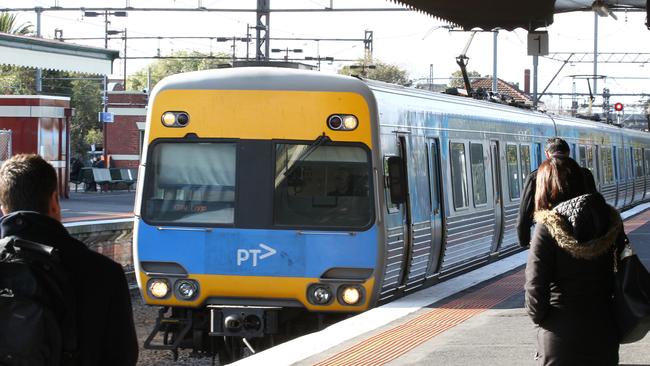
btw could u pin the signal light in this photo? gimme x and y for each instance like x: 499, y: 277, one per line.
x: 618, y: 107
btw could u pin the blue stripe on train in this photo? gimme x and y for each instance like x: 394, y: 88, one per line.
x: 286, y: 253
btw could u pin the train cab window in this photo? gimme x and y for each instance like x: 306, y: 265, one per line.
x: 478, y: 174
x: 608, y: 165
x: 582, y: 156
x: 514, y: 181
x: 192, y: 183
x: 524, y: 159
x: 459, y: 175
x: 390, y: 205
x: 638, y: 163
x: 327, y: 188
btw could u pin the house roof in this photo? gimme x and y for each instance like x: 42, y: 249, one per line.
x: 55, y: 55
x: 503, y: 88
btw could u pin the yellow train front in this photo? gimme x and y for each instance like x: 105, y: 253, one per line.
x: 255, y: 203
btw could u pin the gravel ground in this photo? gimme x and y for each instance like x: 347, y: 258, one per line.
x: 145, y: 318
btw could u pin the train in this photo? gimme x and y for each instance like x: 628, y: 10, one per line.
x: 267, y: 196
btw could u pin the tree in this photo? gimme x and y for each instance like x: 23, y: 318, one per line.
x: 8, y: 25
x: 457, y: 78
x: 15, y: 80
x: 382, y: 71
x: 86, y: 100
x: 166, y: 67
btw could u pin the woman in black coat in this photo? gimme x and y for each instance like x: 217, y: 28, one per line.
x: 570, y: 270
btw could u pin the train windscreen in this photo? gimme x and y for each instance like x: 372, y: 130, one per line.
x: 192, y: 183
x: 327, y: 187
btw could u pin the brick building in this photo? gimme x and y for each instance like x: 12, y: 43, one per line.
x: 124, y: 137
x: 39, y: 124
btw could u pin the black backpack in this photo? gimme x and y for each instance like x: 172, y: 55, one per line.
x: 37, y: 317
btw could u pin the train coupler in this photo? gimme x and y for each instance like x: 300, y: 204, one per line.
x: 243, y: 321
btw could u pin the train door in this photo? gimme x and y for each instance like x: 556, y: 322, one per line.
x: 495, y: 163
x: 629, y: 177
x: 418, y: 242
x: 437, y: 208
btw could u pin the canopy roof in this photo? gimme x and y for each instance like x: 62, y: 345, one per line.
x: 511, y: 14
x: 55, y: 55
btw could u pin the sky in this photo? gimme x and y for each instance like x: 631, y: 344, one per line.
x: 411, y: 40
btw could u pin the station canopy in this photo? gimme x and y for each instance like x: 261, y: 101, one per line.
x: 55, y: 55
x: 511, y: 14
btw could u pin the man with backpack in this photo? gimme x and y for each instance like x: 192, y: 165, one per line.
x: 60, y: 302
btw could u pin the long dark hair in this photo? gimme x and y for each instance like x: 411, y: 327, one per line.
x: 558, y: 179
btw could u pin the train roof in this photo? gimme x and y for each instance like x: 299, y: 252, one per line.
x: 262, y: 78
x: 274, y: 78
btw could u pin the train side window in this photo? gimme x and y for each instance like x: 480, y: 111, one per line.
x: 597, y: 163
x: 638, y: 162
x: 621, y: 165
x: 647, y: 161
x: 583, y: 156
x: 608, y: 166
x: 513, y: 171
x: 573, y: 152
x: 589, y: 158
x: 478, y: 174
x: 392, y: 207
x: 459, y: 175
x: 617, y: 173
x: 524, y: 159
x: 538, y: 154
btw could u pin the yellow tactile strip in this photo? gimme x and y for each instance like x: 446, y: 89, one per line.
x: 394, y: 342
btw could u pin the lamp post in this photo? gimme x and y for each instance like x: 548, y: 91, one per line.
x: 106, y: 13
x: 319, y: 59
x: 234, y: 44
x: 286, y: 51
x: 112, y: 32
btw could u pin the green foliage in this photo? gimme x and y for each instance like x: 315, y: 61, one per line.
x: 94, y: 137
x: 382, y: 71
x: 8, y: 25
x: 457, y: 78
x: 86, y: 100
x: 166, y: 67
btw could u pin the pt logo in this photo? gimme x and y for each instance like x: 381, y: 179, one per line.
x: 244, y: 255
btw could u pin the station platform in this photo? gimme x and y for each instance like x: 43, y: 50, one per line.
x: 474, y: 319
x: 92, y: 206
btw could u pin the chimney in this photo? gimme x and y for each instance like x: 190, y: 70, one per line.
x: 527, y: 81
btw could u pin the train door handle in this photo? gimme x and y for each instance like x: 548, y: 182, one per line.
x: 436, y: 211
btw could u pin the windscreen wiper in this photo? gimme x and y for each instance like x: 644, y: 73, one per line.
x: 320, y: 141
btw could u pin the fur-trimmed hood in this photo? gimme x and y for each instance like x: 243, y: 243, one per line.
x: 585, y: 226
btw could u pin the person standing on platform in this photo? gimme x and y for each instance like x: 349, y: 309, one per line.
x: 555, y: 147
x: 105, y: 330
x: 570, y: 269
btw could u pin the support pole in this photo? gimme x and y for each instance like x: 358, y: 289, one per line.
x: 535, y: 63
x: 494, y: 63
x: 595, y: 53
x: 124, y: 59
x: 39, y: 72
x: 262, y: 29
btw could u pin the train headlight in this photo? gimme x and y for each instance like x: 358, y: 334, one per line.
x: 168, y: 119
x: 320, y: 294
x: 351, y: 295
x: 350, y: 122
x: 175, y: 119
x: 342, y: 122
x: 187, y: 289
x: 158, y: 288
